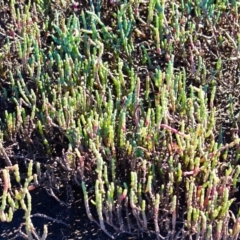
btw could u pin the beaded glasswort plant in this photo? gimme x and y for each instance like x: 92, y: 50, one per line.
x: 135, y: 104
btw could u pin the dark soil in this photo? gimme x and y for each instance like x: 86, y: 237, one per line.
x: 79, y: 226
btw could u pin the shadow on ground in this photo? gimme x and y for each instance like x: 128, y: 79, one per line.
x: 80, y: 227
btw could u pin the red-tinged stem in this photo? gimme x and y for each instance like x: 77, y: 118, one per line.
x: 174, y: 130
x: 5, y: 180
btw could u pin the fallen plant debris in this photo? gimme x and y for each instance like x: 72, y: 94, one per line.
x: 127, y: 110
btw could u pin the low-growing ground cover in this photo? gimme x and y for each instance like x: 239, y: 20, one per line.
x: 119, y: 119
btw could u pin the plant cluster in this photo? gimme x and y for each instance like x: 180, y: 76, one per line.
x: 136, y: 102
